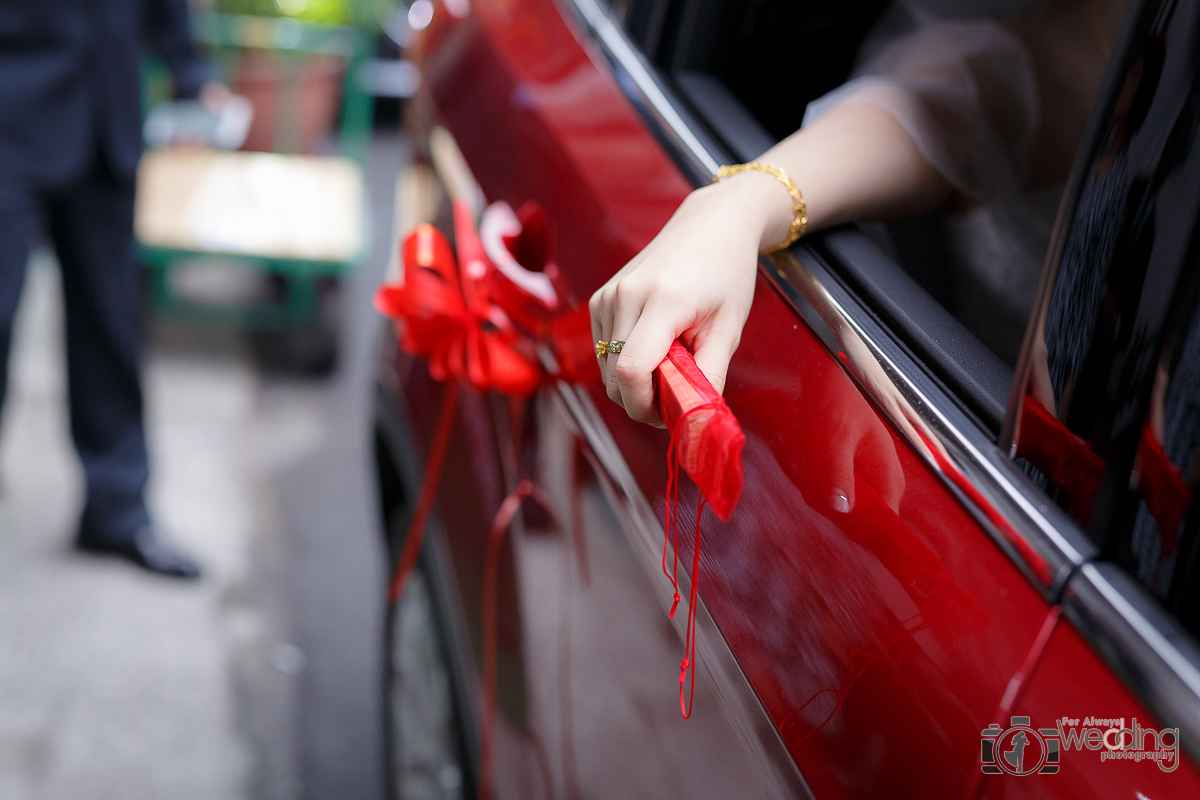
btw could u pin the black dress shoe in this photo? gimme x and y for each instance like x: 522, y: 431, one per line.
x: 147, y: 551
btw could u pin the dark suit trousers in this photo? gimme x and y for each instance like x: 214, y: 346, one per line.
x: 90, y: 222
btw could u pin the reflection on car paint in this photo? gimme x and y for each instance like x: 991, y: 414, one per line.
x: 1110, y: 421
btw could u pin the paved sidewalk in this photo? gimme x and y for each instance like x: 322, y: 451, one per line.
x: 114, y: 683
x: 262, y: 680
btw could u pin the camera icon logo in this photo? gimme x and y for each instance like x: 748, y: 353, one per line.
x: 1020, y: 749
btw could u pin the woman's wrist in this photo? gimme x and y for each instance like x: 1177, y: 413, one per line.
x: 754, y: 202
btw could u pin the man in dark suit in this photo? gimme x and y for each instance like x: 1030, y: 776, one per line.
x: 70, y: 139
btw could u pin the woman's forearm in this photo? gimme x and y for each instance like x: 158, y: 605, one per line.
x: 856, y: 162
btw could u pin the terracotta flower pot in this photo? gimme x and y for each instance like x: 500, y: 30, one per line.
x: 296, y: 98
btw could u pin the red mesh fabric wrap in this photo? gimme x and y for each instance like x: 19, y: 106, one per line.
x: 707, y: 438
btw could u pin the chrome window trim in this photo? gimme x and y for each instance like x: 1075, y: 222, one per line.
x: 642, y: 86
x: 844, y: 326
x: 1131, y: 633
x: 1122, y: 622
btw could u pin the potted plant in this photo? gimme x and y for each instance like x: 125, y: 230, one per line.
x: 291, y: 59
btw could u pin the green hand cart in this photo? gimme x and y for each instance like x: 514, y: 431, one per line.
x: 278, y: 208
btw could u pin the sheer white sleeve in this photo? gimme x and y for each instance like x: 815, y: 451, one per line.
x: 964, y: 90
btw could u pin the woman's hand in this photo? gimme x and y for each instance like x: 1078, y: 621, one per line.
x: 693, y: 282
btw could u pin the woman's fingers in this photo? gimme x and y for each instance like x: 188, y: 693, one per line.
x: 647, y: 321
x: 600, y: 308
x: 594, y: 311
x: 697, y: 272
x: 626, y: 308
x: 633, y: 369
x: 713, y: 350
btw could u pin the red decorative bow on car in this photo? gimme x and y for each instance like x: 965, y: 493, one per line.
x: 443, y: 314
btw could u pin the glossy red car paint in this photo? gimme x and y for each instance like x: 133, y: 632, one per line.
x: 879, y: 640
x: 1072, y: 682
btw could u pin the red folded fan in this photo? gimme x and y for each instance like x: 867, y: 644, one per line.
x: 705, y: 434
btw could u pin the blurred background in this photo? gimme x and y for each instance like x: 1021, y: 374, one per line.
x: 263, y: 236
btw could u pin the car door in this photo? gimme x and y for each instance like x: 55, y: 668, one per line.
x: 878, y: 639
x: 891, y: 576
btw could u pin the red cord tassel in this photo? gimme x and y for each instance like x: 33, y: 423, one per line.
x: 671, y: 538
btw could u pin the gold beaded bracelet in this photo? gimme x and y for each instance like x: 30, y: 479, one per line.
x: 799, y: 209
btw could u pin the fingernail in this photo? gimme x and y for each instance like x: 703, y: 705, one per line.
x: 839, y: 502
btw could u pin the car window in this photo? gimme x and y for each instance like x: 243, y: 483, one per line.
x: 1113, y: 436
x: 1161, y: 546
x: 997, y: 96
x: 1108, y: 418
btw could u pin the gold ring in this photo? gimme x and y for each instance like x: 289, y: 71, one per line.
x: 615, y: 347
x: 601, y: 348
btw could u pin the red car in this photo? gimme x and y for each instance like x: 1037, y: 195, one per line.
x: 1009, y: 602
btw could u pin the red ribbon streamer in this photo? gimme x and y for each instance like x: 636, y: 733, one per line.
x: 891, y: 649
x: 429, y: 484
x: 1014, y: 691
x: 500, y: 524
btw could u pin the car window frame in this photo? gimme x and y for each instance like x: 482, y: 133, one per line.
x: 1135, y: 635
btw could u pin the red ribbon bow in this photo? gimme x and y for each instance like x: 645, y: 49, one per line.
x: 443, y: 313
